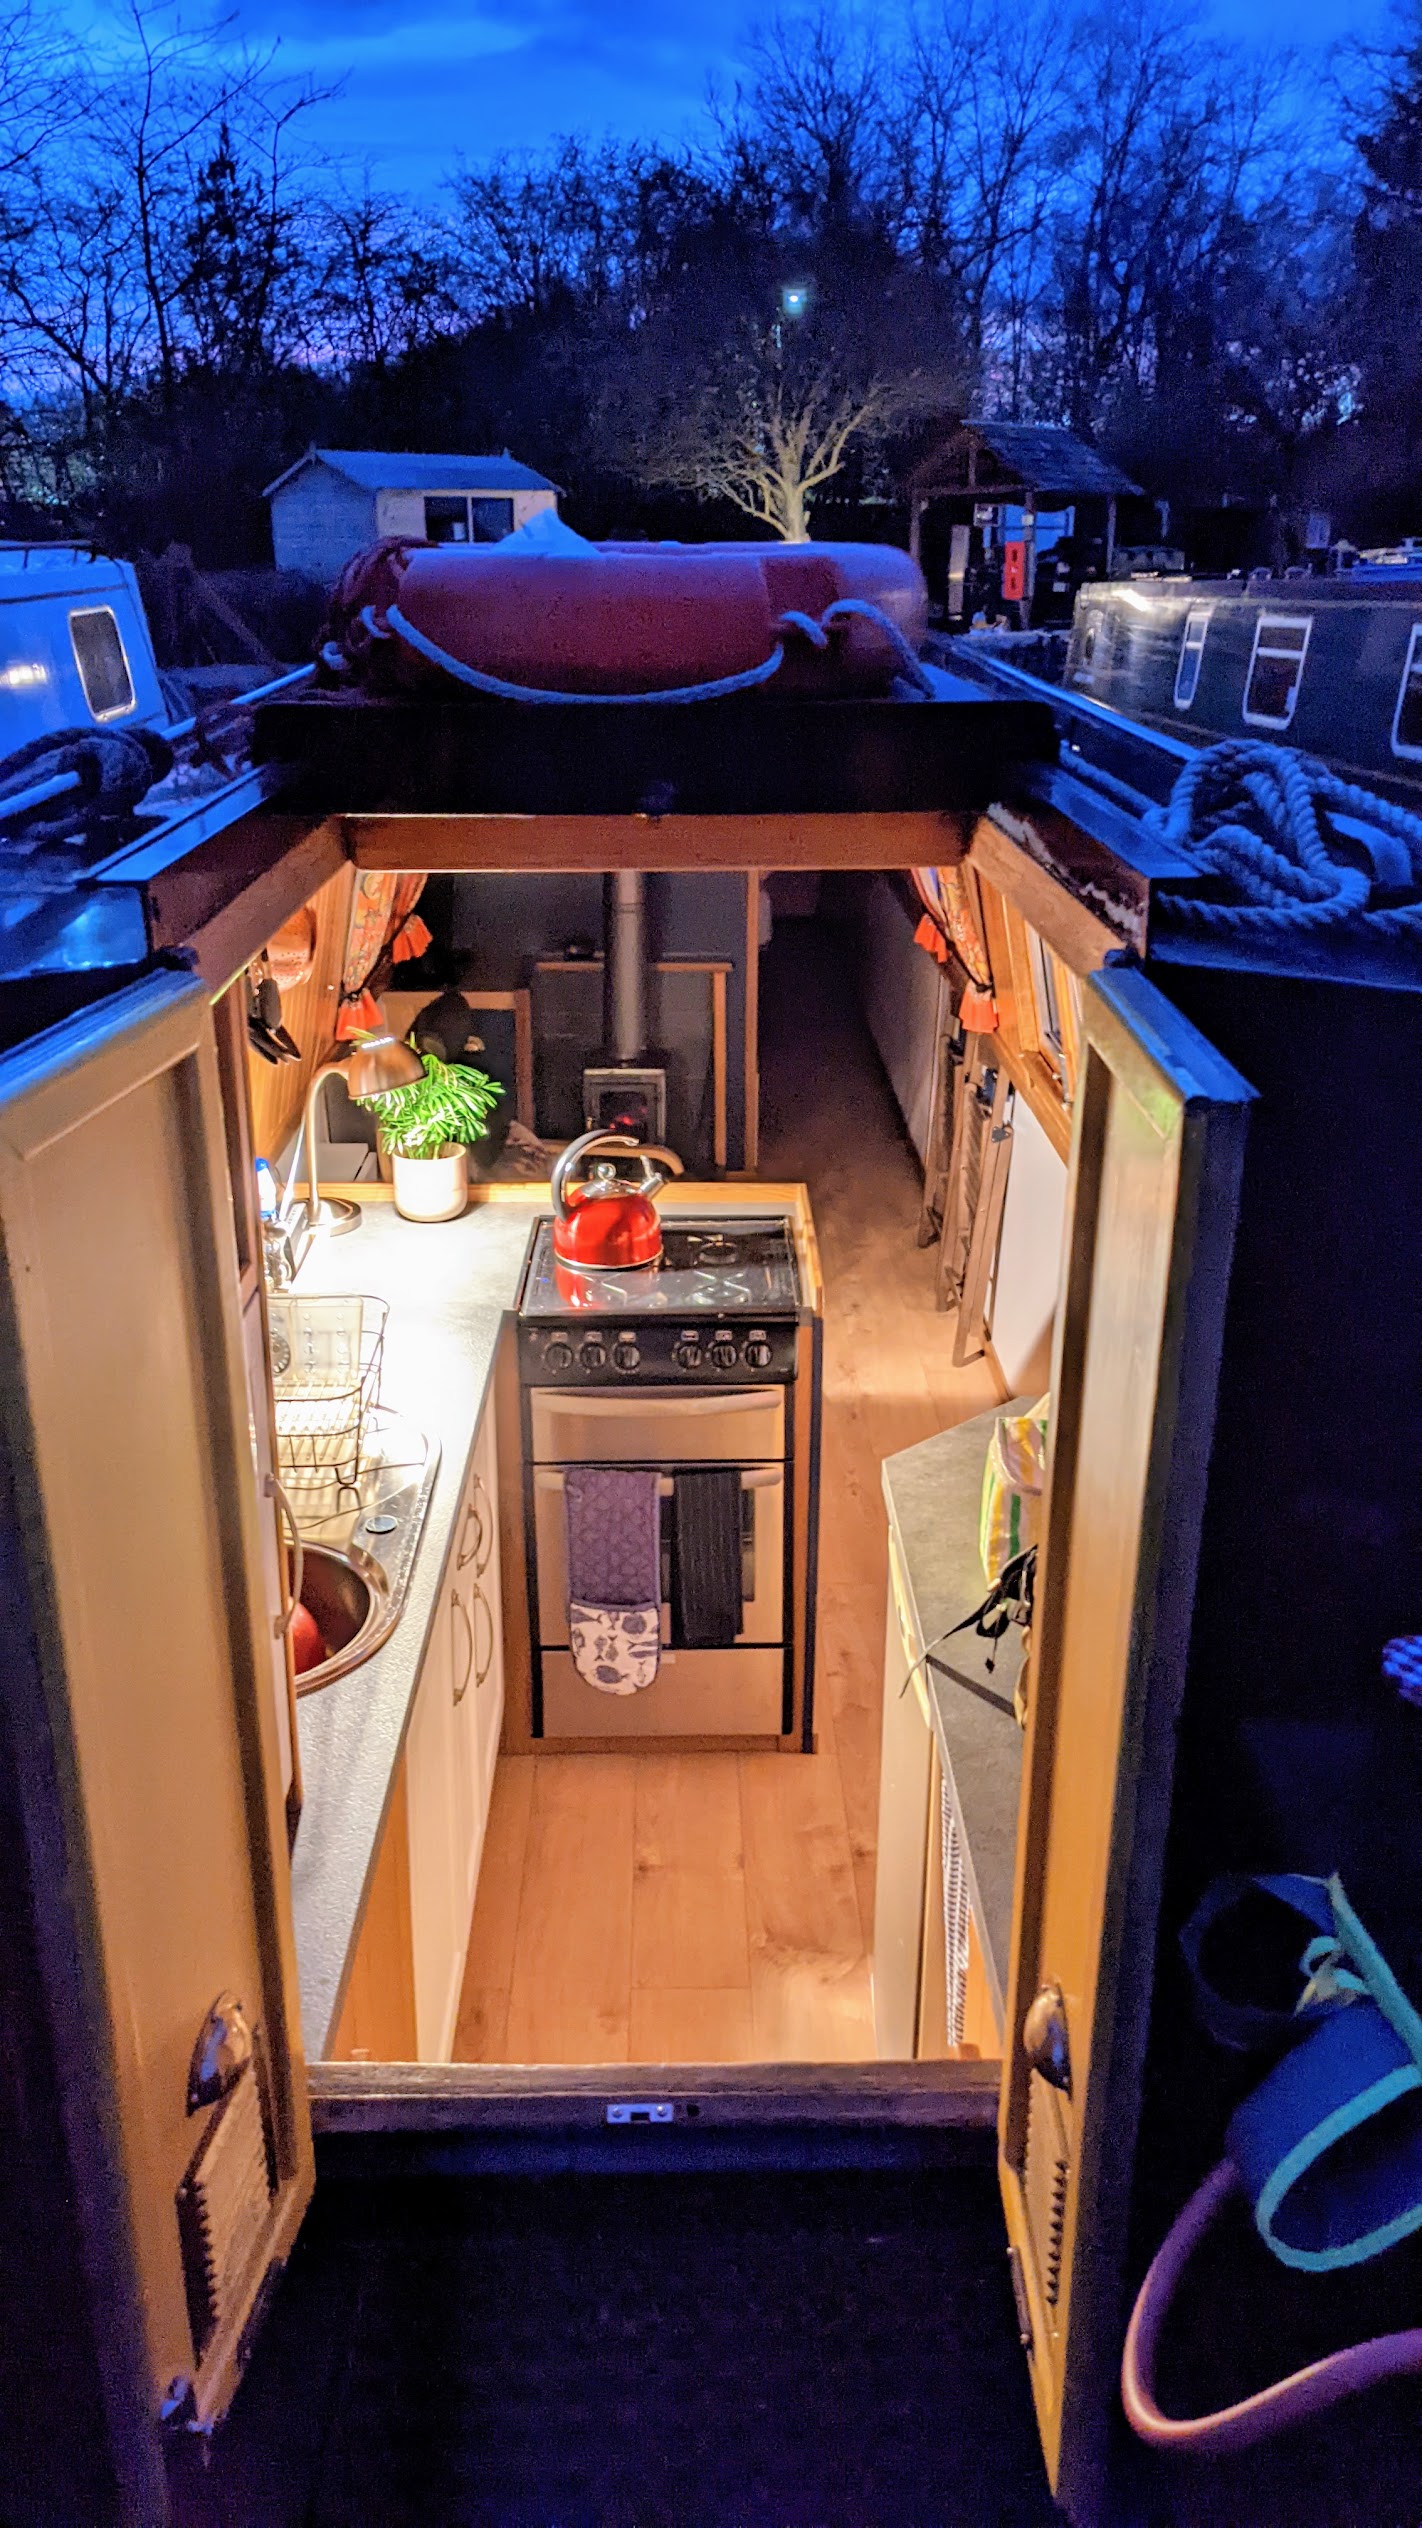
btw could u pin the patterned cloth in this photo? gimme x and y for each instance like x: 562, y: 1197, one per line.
x: 617, y: 1649
x: 614, y: 1575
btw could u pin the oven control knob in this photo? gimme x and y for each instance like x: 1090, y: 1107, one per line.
x: 557, y: 1352
x: 758, y: 1353
x: 625, y: 1353
x: 723, y: 1350
x: 686, y: 1352
x: 592, y: 1352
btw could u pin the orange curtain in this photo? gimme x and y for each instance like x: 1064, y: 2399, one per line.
x: 950, y: 929
x: 385, y: 931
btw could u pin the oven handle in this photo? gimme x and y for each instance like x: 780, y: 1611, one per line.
x: 753, y: 1479
x: 602, y: 1407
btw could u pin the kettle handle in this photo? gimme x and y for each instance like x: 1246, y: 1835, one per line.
x: 576, y: 1151
x: 657, y: 1163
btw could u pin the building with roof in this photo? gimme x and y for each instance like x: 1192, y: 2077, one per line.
x: 983, y: 486
x: 334, y: 501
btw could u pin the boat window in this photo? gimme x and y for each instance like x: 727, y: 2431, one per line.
x: 1081, y: 673
x: 1407, y: 718
x: 1276, y: 669
x: 1192, y: 651
x: 103, y: 666
x: 468, y: 518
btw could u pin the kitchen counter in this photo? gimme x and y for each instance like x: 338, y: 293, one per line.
x: 933, y: 1492
x: 449, y: 1287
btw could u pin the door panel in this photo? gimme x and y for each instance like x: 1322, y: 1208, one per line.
x: 1157, y: 1152
x: 712, y: 1693
x: 151, y: 1775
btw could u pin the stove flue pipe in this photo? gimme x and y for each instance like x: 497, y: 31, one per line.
x: 624, y: 973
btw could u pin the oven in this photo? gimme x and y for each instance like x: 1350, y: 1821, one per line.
x: 737, y: 1691
x: 651, y: 1370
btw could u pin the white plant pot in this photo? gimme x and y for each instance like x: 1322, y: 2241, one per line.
x: 433, y: 1189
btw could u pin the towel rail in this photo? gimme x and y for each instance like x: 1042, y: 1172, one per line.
x: 753, y: 1479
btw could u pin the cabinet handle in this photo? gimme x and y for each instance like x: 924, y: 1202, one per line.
x: 482, y: 1669
x: 276, y: 1491
x: 463, y: 1686
x: 478, y: 1553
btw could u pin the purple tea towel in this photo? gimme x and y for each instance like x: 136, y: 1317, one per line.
x: 614, y: 1535
x: 614, y: 1575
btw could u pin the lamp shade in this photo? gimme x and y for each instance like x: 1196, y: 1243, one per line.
x: 382, y: 1064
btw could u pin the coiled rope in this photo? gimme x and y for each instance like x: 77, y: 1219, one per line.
x: 1262, y: 817
x: 817, y: 631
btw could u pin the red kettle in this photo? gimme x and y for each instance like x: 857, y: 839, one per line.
x: 609, y: 1225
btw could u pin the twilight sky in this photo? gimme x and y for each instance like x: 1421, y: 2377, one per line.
x: 425, y: 79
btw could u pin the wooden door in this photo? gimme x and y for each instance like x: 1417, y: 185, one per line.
x: 138, y: 1726
x: 1156, y: 1159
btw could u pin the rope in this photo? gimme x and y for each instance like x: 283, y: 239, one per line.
x: 816, y: 631
x: 713, y: 690
x: 1260, y: 817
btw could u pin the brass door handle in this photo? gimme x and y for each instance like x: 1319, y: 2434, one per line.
x: 481, y: 1668
x: 463, y: 1686
x: 479, y: 1552
x: 1044, y: 2038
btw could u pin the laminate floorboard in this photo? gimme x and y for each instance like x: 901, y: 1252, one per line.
x: 719, y: 1908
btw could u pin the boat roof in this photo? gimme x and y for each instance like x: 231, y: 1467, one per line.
x: 1333, y: 588
x: 397, y: 470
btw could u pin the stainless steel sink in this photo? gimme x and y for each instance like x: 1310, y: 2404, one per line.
x: 360, y: 1542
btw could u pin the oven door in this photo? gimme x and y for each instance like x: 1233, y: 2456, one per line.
x: 665, y: 1430
x: 762, y: 1555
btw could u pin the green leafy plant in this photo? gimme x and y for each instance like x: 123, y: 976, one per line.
x: 451, y: 1103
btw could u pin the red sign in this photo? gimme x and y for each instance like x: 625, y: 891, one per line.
x: 1014, y: 568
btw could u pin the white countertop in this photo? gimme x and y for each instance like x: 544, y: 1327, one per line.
x: 449, y: 1286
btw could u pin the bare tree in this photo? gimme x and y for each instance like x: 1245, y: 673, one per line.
x: 385, y: 282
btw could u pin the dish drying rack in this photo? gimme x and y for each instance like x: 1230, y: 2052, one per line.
x: 327, y: 1355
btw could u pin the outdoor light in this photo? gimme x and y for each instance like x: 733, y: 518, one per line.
x: 795, y: 299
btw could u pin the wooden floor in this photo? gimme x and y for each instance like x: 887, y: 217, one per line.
x: 719, y: 1908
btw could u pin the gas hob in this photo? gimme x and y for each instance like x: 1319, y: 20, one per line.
x: 721, y: 1306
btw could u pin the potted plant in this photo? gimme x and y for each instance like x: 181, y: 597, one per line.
x: 427, y: 1129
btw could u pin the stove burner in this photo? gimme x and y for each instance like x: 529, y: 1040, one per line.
x: 744, y: 1266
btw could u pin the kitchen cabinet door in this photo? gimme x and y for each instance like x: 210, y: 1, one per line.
x: 1157, y: 1156
x: 437, y: 1921
x: 159, y: 2175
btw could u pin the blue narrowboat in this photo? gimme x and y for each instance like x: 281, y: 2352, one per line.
x: 1331, y: 665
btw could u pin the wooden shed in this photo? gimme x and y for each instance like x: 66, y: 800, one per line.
x: 983, y: 477
x: 335, y: 500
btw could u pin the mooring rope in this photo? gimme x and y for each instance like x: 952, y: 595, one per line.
x: 1262, y: 817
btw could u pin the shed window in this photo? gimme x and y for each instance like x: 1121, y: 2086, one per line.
x: 468, y: 517
x: 1192, y: 651
x: 1407, y: 718
x: 1276, y: 669
x: 102, y: 664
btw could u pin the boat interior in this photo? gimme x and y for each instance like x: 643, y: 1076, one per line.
x: 706, y: 1904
